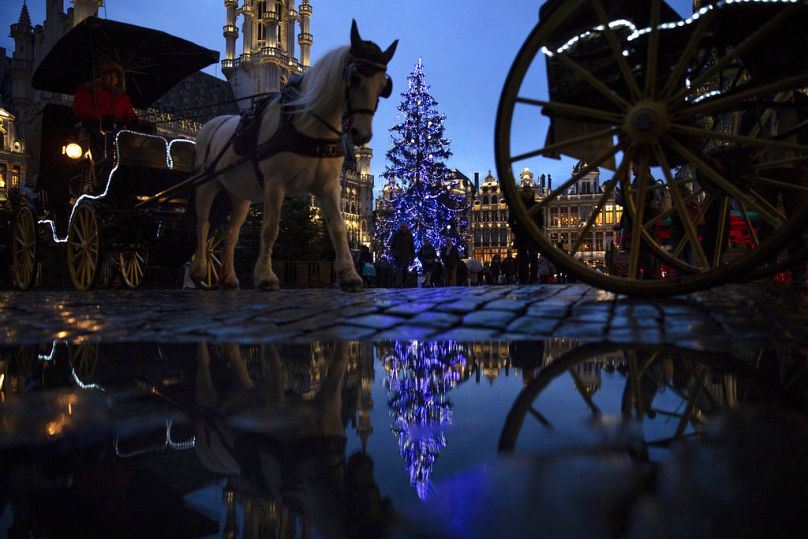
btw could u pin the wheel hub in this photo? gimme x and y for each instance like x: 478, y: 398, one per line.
x: 646, y: 121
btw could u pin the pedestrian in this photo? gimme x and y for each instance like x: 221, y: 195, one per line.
x: 495, y: 270
x: 451, y: 262
x: 402, y: 247
x: 428, y: 256
x: 546, y: 270
x: 104, y: 98
x: 509, y: 268
x: 475, y: 269
x: 527, y: 255
x: 462, y: 274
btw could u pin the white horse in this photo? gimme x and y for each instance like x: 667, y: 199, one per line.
x: 341, y: 89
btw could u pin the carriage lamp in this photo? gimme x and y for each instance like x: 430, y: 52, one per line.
x: 73, y: 150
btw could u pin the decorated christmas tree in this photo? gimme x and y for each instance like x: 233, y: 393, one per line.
x: 419, y: 376
x: 416, y: 162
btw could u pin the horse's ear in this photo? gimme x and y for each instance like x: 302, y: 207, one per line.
x: 391, y: 50
x: 356, y: 40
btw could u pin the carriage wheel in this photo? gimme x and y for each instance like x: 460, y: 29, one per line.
x: 83, y: 360
x: 648, y: 372
x: 132, y: 263
x: 24, y: 249
x: 214, y: 253
x: 84, y: 248
x: 661, y: 122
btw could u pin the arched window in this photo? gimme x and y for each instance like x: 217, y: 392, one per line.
x: 485, y: 199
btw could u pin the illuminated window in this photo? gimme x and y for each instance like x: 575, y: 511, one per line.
x: 15, y: 175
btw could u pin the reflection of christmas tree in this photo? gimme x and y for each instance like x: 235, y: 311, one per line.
x: 425, y: 200
x: 419, y: 375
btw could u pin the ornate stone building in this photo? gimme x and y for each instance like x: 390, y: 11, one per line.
x: 489, y: 221
x: 12, y: 157
x: 268, y: 56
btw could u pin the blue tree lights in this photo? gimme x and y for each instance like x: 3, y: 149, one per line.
x: 419, y: 188
x: 419, y: 376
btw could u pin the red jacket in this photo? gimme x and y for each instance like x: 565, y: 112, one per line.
x: 95, y: 102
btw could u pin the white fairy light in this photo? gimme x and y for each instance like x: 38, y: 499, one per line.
x: 169, y: 165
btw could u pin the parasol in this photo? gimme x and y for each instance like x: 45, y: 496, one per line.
x: 154, y: 61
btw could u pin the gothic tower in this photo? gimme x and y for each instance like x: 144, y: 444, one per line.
x: 85, y: 8
x: 21, y: 69
x: 268, y: 57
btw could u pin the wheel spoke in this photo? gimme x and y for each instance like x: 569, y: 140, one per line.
x: 653, y: 50
x: 631, y: 82
x: 593, y: 81
x: 637, y: 218
x: 741, y: 49
x: 720, y: 181
x: 553, y: 148
x: 574, y: 111
x: 678, y: 71
x: 732, y: 100
x: 575, y: 177
x: 608, y: 189
x: 691, y: 234
x: 748, y: 223
x: 784, y: 185
x: 739, y: 139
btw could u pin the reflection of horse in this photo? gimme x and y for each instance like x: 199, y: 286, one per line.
x: 297, y: 150
x: 292, y: 447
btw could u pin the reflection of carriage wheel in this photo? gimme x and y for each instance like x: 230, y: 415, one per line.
x: 703, y: 383
x: 24, y: 249
x: 84, y: 248
x: 132, y: 263
x: 214, y: 253
x: 605, y: 111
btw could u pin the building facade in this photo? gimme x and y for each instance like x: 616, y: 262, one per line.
x: 563, y: 217
x: 12, y: 156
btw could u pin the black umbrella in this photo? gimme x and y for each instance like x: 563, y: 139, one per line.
x: 154, y: 61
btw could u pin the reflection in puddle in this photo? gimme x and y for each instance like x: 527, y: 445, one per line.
x: 291, y: 440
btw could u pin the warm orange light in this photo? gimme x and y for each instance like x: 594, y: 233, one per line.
x: 73, y: 151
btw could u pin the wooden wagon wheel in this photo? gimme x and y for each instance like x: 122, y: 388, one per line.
x: 84, y: 248
x: 24, y: 248
x: 132, y: 264
x: 651, y: 111
x: 637, y: 402
x: 214, y: 253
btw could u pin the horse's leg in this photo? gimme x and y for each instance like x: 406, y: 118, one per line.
x: 348, y: 279
x: 237, y: 217
x: 205, y: 194
x: 263, y: 275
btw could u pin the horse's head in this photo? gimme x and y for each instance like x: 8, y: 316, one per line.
x: 366, y: 79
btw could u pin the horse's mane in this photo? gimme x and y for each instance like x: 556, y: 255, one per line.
x: 320, y: 86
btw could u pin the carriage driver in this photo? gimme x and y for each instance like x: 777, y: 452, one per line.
x: 104, y: 97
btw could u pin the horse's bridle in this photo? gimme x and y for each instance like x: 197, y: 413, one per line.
x: 364, y: 68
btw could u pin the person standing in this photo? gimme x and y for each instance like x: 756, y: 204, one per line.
x: 509, y: 269
x: 402, y: 247
x: 428, y: 256
x: 496, y: 270
x: 451, y: 261
x: 527, y: 255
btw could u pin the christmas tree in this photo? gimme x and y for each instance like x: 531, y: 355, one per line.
x: 416, y: 162
x: 419, y: 376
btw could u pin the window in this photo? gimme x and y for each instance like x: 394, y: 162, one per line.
x: 599, y: 241
x: 554, y: 217
x: 15, y: 175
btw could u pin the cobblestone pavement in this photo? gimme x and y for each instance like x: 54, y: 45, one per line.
x: 724, y: 318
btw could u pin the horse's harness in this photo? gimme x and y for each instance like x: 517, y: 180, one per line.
x: 287, y: 138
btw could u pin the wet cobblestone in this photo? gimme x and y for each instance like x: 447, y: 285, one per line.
x: 729, y: 316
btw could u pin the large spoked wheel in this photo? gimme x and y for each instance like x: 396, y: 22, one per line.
x: 132, y: 264
x: 215, y: 254
x: 84, y: 248
x: 693, y: 112
x: 24, y: 249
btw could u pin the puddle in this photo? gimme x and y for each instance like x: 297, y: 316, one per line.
x: 401, y: 438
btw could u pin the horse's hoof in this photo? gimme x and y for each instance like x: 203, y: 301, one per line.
x: 268, y: 285
x: 351, y: 283
x: 230, y: 284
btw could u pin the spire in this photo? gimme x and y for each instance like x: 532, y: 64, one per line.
x: 25, y: 18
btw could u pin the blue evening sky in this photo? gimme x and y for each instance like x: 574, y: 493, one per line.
x: 467, y: 47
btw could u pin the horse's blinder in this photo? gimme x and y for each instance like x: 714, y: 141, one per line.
x: 366, y: 68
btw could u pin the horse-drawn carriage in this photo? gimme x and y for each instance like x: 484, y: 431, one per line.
x: 90, y: 176
x: 711, y: 114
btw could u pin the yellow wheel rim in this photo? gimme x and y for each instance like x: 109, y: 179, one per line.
x: 133, y: 267
x: 23, y: 252
x: 213, y: 252
x: 83, y: 248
